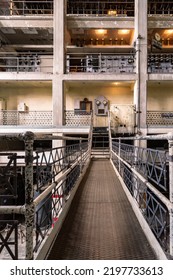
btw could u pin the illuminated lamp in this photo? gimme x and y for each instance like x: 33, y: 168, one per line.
x: 112, y: 12
x: 101, y: 31
x: 123, y: 31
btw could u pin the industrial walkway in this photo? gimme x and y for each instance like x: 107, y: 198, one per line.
x: 101, y: 223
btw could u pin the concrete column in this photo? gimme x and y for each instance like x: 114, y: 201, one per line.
x: 59, y: 28
x: 140, y: 90
x: 58, y: 62
x: 58, y: 100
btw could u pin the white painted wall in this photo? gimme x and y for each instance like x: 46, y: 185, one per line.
x: 160, y: 97
x: 115, y: 94
x: 37, y: 96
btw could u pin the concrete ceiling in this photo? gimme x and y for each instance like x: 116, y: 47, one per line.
x: 163, y: 84
x: 78, y: 84
x: 15, y: 39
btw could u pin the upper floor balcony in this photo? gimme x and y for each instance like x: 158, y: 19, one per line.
x: 30, y: 118
x: 26, y: 62
x: 101, y: 63
x: 122, y: 119
x: 160, y: 7
x: 101, y: 8
x: 161, y: 63
x: 26, y: 7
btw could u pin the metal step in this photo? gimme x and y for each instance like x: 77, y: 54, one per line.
x: 100, y: 153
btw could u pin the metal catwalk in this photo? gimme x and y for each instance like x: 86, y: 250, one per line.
x: 101, y: 223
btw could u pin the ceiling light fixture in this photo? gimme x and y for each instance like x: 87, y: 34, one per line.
x: 123, y: 31
x: 168, y: 31
x: 101, y: 31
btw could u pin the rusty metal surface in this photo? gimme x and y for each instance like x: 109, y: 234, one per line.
x: 101, y: 223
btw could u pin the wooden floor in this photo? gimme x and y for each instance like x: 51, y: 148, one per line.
x: 101, y: 223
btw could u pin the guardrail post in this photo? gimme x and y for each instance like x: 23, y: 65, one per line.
x: 29, y: 194
x: 170, y: 141
x: 110, y: 135
x: 80, y: 143
x: 119, y: 153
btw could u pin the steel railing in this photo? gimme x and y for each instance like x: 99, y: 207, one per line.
x: 82, y: 118
x: 160, y: 63
x: 26, y: 118
x: 152, y: 164
x: 26, y: 62
x: 159, y: 118
x: 160, y: 7
x: 101, y: 63
x: 148, y: 176
x: 73, y: 118
x: 26, y: 7
x: 77, y: 117
x: 105, y: 8
x: 49, y: 180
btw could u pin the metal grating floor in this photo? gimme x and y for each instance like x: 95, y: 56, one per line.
x: 101, y: 223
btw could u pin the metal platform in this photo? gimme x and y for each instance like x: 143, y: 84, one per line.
x: 101, y: 223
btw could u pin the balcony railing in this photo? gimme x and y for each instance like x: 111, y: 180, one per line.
x: 78, y: 118
x: 48, y: 185
x: 102, y: 7
x: 26, y: 62
x: 147, y: 175
x: 73, y: 118
x: 26, y: 7
x: 100, y: 63
x: 160, y: 63
x: 27, y: 118
x: 157, y: 7
x: 159, y: 118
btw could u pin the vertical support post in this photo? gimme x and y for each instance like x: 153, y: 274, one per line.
x: 119, y: 153
x: 80, y: 155
x: 29, y: 194
x: 140, y: 90
x: 170, y: 141
x: 60, y: 28
x: 11, y: 7
x: 90, y: 135
x: 110, y: 136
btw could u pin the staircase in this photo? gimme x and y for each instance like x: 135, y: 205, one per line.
x: 100, y: 143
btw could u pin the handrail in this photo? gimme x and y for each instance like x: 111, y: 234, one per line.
x: 154, y: 203
x: 26, y: 117
x: 22, y: 7
x: 159, y: 7
x: 26, y: 62
x: 159, y: 118
x: 77, y: 117
x: 67, y: 166
x: 106, y: 8
x: 101, y: 62
x: 160, y: 63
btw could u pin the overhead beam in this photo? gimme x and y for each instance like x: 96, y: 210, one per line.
x: 100, y: 22
x: 25, y: 21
